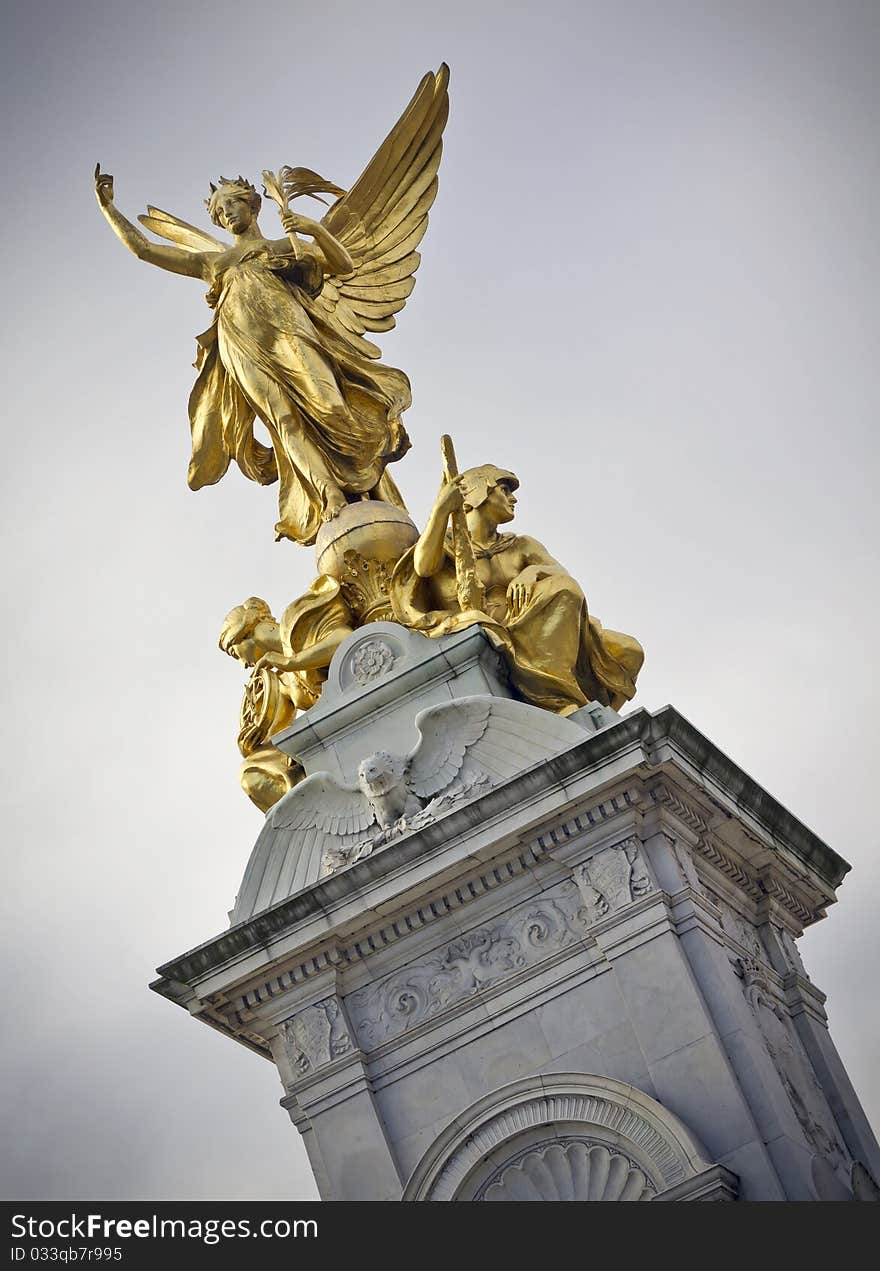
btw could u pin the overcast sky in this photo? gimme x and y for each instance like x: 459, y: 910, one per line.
x: 650, y: 287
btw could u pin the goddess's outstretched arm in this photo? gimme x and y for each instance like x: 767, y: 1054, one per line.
x: 174, y: 259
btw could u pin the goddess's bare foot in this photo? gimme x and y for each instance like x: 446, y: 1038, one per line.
x: 335, y: 504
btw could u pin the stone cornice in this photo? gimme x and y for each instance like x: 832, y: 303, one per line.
x: 757, y: 869
x: 600, y: 780
x: 667, y: 730
x: 324, y: 899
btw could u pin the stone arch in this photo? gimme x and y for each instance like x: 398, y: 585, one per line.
x: 568, y: 1136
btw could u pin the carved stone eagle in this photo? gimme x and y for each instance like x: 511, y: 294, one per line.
x: 465, y: 746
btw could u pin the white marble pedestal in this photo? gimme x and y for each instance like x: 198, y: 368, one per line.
x: 582, y: 984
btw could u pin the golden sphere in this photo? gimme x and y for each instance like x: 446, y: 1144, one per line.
x: 377, y: 531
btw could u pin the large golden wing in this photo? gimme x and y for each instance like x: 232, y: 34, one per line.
x: 382, y: 218
x: 180, y: 232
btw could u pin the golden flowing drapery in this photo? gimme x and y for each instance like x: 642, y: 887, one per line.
x: 328, y: 409
x: 559, y: 656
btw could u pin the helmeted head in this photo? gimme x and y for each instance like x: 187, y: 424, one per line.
x: 233, y: 205
x: 490, y: 484
x: 379, y: 773
x: 238, y: 627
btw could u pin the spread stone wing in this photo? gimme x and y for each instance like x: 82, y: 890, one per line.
x: 495, y: 737
x: 447, y: 732
x: 316, y: 814
x: 466, y: 745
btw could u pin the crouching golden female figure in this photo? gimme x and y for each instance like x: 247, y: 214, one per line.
x: 287, y: 342
x: 269, y: 704
x: 559, y: 656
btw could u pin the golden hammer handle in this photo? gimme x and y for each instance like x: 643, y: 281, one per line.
x: 468, y: 588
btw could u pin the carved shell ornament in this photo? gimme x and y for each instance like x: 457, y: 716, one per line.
x: 567, y: 1136
x: 577, y: 1170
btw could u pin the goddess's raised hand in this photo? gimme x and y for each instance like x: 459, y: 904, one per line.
x: 103, y: 186
x: 294, y: 223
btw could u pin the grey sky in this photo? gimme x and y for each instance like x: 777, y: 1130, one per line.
x: 650, y: 286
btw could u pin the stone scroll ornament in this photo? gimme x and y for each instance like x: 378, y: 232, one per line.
x: 479, y: 960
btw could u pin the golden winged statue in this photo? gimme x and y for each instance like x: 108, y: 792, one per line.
x: 287, y: 344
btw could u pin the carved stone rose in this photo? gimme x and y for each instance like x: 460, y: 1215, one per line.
x: 370, y: 660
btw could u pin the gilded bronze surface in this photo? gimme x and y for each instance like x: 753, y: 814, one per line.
x: 287, y: 345
x: 268, y: 704
x: 357, y: 553
x: 558, y: 655
x: 375, y: 531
